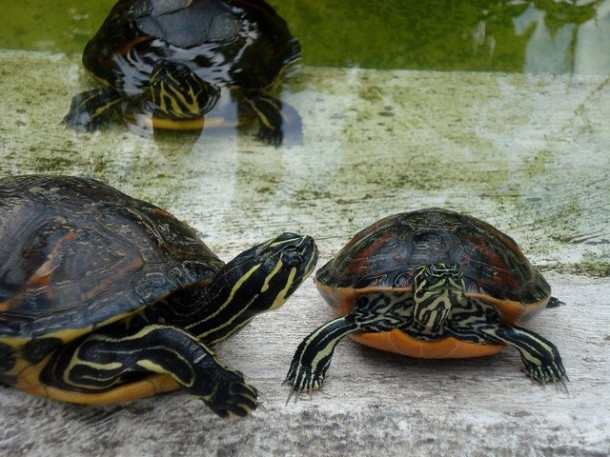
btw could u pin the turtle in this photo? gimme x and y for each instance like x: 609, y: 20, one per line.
x: 168, y: 64
x: 105, y: 298
x: 430, y: 283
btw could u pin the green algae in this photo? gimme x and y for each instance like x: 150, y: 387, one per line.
x: 444, y: 35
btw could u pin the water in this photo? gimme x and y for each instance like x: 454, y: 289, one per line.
x: 510, y: 36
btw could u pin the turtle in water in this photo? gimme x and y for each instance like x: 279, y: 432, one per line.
x: 105, y: 298
x: 180, y: 64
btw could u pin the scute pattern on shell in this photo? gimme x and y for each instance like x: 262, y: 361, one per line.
x: 386, y: 254
x: 77, y: 252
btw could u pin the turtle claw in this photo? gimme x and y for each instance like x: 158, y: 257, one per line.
x: 294, y: 392
x: 302, y: 380
x: 554, y: 373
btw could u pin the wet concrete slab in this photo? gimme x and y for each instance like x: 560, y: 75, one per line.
x: 526, y: 153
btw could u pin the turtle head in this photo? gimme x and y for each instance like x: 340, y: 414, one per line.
x: 436, y: 288
x: 177, y: 92
x: 264, y: 276
x: 257, y: 280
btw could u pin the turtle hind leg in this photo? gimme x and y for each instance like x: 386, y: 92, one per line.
x: 101, y: 362
x: 277, y: 121
x: 554, y: 302
x: 93, y: 109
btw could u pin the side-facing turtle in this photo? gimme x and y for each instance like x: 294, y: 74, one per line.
x: 105, y: 298
x: 167, y: 64
x: 430, y: 284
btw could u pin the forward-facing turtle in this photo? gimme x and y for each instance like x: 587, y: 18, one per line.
x: 167, y: 64
x: 431, y: 284
x: 105, y: 298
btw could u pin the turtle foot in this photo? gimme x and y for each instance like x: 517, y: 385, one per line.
x: 554, y: 373
x: 303, y: 379
x: 232, y: 397
x: 271, y: 137
x: 93, y: 109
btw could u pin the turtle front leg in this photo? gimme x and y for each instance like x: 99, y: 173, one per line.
x: 93, y: 109
x: 104, y: 361
x: 277, y: 120
x: 540, y: 357
x: 312, y: 358
x: 373, y: 313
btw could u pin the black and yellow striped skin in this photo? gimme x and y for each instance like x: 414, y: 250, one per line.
x: 430, y: 284
x: 167, y: 64
x: 104, y: 298
x: 93, y: 109
x: 176, y: 92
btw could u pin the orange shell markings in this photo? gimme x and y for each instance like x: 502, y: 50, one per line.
x: 446, y: 348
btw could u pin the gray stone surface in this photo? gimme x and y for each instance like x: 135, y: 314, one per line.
x: 526, y: 153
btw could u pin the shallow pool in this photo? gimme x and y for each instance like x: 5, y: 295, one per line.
x: 514, y: 36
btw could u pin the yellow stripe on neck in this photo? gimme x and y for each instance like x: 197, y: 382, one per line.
x: 281, y: 296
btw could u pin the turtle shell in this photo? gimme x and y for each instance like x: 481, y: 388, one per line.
x: 238, y: 42
x: 77, y: 253
x: 385, y: 255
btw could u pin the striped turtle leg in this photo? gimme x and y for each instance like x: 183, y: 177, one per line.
x: 540, y: 357
x: 312, y: 358
x: 276, y: 119
x: 102, y: 361
x: 372, y: 313
x: 93, y: 109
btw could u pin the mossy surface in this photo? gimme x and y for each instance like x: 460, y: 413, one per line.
x: 526, y: 153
